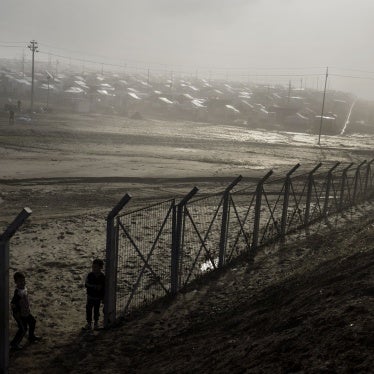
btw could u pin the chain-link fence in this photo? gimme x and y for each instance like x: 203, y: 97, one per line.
x: 158, y: 250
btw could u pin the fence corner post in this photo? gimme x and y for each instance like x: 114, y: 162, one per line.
x: 177, y: 234
x: 111, y: 263
x: 4, y: 287
x: 225, y: 221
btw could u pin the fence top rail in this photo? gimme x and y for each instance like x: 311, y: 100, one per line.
x: 189, y: 196
x: 362, y: 163
x: 347, y: 167
x: 254, y: 185
x: 119, y: 206
x: 320, y: 174
x: 17, y: 222
x: 170, y: 201
x: 315, y: 168
x: 334, y: 167
x: 293, y: 170
x: 229, y: 188
x: 205, y: 197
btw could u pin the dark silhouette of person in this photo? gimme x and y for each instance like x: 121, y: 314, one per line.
x: 11, y: 117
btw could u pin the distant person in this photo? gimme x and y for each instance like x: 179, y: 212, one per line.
x: 95, y: 285
x: 19, y: 106
x: 21, y: 313
x: 11, y: 117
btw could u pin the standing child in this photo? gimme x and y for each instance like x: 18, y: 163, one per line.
x: 95, y: 284
x: 21, y: 312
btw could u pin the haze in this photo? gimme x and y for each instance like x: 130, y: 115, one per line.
x: 224, y: 38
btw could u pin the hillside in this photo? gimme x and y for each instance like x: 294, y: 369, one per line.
x: 309, y: 315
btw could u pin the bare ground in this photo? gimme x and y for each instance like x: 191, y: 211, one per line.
x: 305, y: 308
x: 280, y: 314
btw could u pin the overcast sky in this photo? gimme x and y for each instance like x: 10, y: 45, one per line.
x: 231, y: 36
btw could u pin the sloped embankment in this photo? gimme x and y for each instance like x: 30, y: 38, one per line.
x: 316, y: 319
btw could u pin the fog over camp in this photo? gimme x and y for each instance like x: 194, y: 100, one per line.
x: 233, y: 37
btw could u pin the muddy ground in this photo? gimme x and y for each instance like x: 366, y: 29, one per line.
x: 306, y: 308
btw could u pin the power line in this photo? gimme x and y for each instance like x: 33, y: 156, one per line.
x: 234, y: 71
x: 179, y: 65
x: 3, y: 42
x: 281, y: 75
x: 357, y: 70
x: 103, y: 57
x: 71, y: 51
x: 351, y: 76
x: 178, y: 71
x: 10, y: 46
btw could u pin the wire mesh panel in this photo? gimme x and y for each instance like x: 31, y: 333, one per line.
x: 347, y: 189
x: 359, y: 187
x: 297, y: 202
x: 271, y: 211
x: 144, y: 245
x: 335, y: 192
x: 240, y: 223
x: 369, y: 180
x: 201, y: 237
x: 318, y: 197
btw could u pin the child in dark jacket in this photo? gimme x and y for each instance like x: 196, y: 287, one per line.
x: 95, y: 285
x: 21, y: 312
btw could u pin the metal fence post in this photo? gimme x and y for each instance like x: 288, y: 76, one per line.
x: 342, y: 186
x: 357, y: 176
x: 177, y: 239
x: 4, y: 307
x: 367, y: 177
x: 309, y: 194
x: 111, y: 263
x: 287, y: 185
x: 256, y: 224
x: 4, y: 287
x: 328, y: 188
x: 225, y: 220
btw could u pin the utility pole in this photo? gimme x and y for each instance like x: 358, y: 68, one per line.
x: 33, y: 46
x: 289, y: 91
x: 323, y: 107
x: 49, y: 76
x: 23, y: 63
